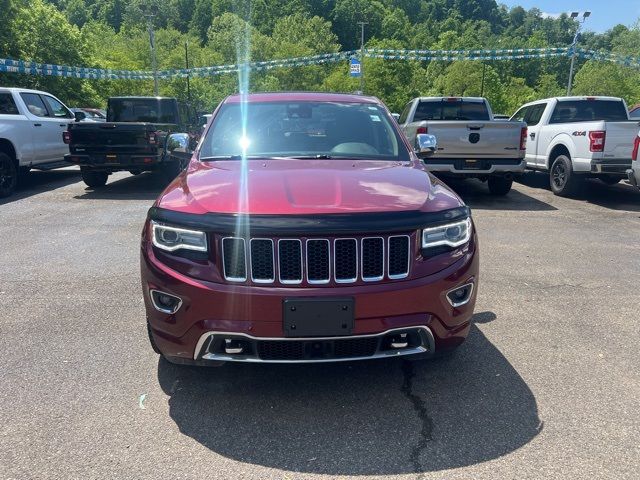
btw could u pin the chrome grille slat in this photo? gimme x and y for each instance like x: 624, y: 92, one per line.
x: 234, y: 259
x: 262, y: 260
x: 318, y: 261
x: 398, y: 248
x: 290, y: 261
x: 345, y: 260
x: 372, y: 259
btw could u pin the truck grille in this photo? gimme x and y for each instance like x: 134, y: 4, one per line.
x: 316, y: 261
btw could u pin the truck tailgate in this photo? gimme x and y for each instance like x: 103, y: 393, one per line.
x: 111, y: 137
x: 619, y: 139
x: 473, y: 139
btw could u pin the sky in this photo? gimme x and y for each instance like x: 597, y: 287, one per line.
x: 604, y: 13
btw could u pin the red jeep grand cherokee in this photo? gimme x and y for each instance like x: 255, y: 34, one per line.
x: 305, y: 229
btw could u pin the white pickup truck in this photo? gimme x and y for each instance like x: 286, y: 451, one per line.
x: 574, y: 138
x: 470, y: 142
x: 31, y: 126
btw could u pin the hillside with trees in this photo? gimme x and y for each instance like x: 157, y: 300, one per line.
x: 113, y: 34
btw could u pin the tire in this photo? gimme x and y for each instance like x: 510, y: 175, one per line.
x: 563, y: 181
x: 8, y: 175
x: 94, y: 178
x: 499, y: 185
x: 606, y: 179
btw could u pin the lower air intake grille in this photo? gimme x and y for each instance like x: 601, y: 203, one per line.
x: 317, y: 349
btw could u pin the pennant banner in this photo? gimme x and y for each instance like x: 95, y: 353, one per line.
x: 34, y: 68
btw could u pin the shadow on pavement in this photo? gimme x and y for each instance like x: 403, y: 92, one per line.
x: 360, y: 418
x: 621, y: 196
x: 37, y: 182
x: 146, y: 186
x: 476, y: 194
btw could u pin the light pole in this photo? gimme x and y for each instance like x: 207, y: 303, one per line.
x: 362, y: 24
x: 585, y: 15
x: 152, y: 43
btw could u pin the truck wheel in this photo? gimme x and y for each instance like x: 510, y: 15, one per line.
x: 609, y: 180
x: 562, y: 179
x: 94, y: 178
x: 8, y: 175
x: 499, y: 185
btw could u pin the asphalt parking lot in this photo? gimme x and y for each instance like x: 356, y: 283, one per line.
x: 546, y: 386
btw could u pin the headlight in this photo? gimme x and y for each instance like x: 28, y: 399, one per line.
x: 172, y: 238
x: 451, y: 234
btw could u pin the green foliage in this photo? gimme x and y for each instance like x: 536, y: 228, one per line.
x: 113, y: 34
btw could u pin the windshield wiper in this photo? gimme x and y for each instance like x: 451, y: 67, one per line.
x: 321, y: 156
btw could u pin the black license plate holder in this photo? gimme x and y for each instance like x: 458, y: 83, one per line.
x: 318, y: 317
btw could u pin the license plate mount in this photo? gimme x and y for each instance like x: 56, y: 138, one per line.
x: 318, y: 317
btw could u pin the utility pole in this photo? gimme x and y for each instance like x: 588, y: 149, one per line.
x: 484, y: 66
x: 585, y: 15
x: 362, y: 24
x: 152, y: 43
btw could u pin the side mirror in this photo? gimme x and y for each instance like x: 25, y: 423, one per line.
x: 426, y: 145
x: 178, y: 146
x: 79, y: 116
x: 396, y: 116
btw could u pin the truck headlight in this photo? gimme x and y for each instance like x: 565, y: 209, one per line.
x: 172, y: 238
x: 451, y: 234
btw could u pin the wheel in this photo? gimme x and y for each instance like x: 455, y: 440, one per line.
x: 94, y: 178
x: 152, y: 341
x: 8, y: 175
x: 499, y: 185
x: 564, y: 182
x: 609, y: 180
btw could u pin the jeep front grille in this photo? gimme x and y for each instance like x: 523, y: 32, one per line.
x: 316, y: 261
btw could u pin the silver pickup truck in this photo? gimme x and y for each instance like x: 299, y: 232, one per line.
x: 471, y: 144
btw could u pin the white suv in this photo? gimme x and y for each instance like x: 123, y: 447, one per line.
x: 31, y: 126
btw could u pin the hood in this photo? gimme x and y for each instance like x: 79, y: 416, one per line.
x: 303, y: 187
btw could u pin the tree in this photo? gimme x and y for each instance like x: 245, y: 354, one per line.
x: 595, y: 78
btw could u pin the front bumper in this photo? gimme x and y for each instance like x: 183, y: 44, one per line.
x: 212, y: 311
x: 476, y: 167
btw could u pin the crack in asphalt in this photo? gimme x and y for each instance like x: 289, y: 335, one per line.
x: 419, y: 406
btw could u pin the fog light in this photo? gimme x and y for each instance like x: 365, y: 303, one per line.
x: 400, y: 341
x: 232, y: 346
x: 165, y: 302
x: 460, y: 295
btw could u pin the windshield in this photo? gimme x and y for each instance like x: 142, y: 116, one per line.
x: 304, y: 129
x: 142, y: 110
